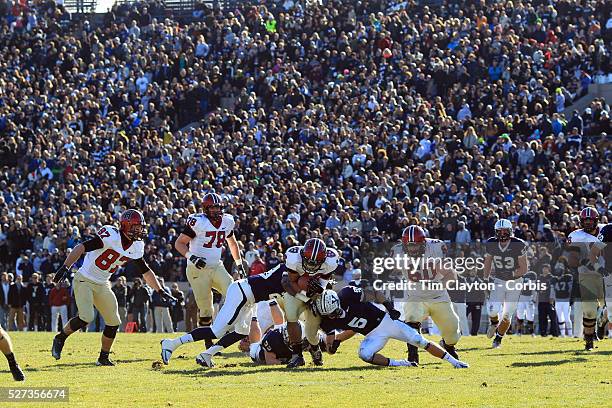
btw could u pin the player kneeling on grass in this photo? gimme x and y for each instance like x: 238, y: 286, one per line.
x: 6, y: 347
x: 348, y: 310
x: 233, y: 320
x: 110, y: 249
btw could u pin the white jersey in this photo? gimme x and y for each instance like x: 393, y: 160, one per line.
x: 421, y: 272
x: 100, y: 264
x: 209, y: 240
x: 583, y: 240
x: 293, y: 261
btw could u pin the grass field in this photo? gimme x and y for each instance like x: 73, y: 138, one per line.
x: 525, y: 372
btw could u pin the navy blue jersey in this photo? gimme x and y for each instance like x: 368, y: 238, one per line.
x: 505, y: 257
x: 275, y: 341
x: 361, y: 317
x: 528, y: 277
x: 563, y: 286
x: 605, y: 235
x: 267, y: 284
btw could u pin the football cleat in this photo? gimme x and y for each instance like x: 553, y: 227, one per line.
x: 297, y: 360
x: 497, y: 342
x: 18, y: 375
x: 166, y: 350
x: 413, y: 354
x: 406, y: 363
x: 56, y: 349
x: 205, y: 360
x: 588, y: 344
x: 491, y: 331
x: 449, y: 349
x: 461, y: 364
x: 105, y: 362
x: 317, y: 356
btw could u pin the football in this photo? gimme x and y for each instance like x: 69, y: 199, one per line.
x: 303, y: 282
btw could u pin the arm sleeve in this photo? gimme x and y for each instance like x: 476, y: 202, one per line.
x: 93, y: 244
x: 141, y: 266
x: 189, y: 232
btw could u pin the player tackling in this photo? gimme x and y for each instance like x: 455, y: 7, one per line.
x: 109, y: 250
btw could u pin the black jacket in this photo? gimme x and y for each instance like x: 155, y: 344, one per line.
x: 36, y: 294
x: 18, y: 295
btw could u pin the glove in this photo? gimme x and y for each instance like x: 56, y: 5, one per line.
x: 166, y: 296
x: 314, y: 288
x: 334, y: 347
x: 198, y: 262
x: 395, y: 314
x: 241, y: 270
x: 61, y: 274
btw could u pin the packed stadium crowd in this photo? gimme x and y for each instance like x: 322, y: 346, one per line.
x: 344, y: 120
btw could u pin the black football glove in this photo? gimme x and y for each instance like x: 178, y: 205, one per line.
x: 61, y: 274
x: 334, y: 347
x: 166, y: 296
x: 198, y: 262
x: 314, y: 287
x: 395, y: 314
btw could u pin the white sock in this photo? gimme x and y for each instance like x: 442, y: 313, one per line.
x: 399, y: 363
x: 185, y: 338
x: 214, y: 349
x: 449, y: 358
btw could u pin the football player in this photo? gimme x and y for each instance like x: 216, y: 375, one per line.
x: 423, y: 302
x: 525, y: 311
x: 202, y: 242
x: 506, y: 255
x: 109, y: 250
x: 562, y: 292
x: 6, y: 347
x: 605, y: 236
x: 349, y: 310
x: 232, y: 323
x: 319, y: 262
x: 590, y: 270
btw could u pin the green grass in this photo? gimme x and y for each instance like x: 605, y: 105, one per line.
x: 525, y: 372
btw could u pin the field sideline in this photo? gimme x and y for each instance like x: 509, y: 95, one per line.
x: 525, y: 372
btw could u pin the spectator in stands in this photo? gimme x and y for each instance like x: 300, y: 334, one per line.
x: 161, y: 307
x: 4, y: 298
x: 17, y: 300
x: 37, y: 302
x: 177, y: 309
x: 258, y: 266
x: 139, y: 301
x: 121, y: 291
x: 59, y: 300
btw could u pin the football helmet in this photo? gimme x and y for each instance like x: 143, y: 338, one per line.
x: 589, y: 217
x: 413, y: 241
x: 503, y: 229
x: 314, y: 254
x: 132, y: 225
x: 212, y: 206
x: 328, y: 304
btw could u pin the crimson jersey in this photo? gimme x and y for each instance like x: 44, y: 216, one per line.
x: 101, y: 263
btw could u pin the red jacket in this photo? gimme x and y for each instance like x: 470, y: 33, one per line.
x: 257, y: 267
x: 59, y: 296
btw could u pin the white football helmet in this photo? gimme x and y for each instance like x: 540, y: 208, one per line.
x: 328, y: 304
x: 503, y: 229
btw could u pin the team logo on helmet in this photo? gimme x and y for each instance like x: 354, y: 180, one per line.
x: 313, y: 254
x: 132, y: 225
x: 328, y: 304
